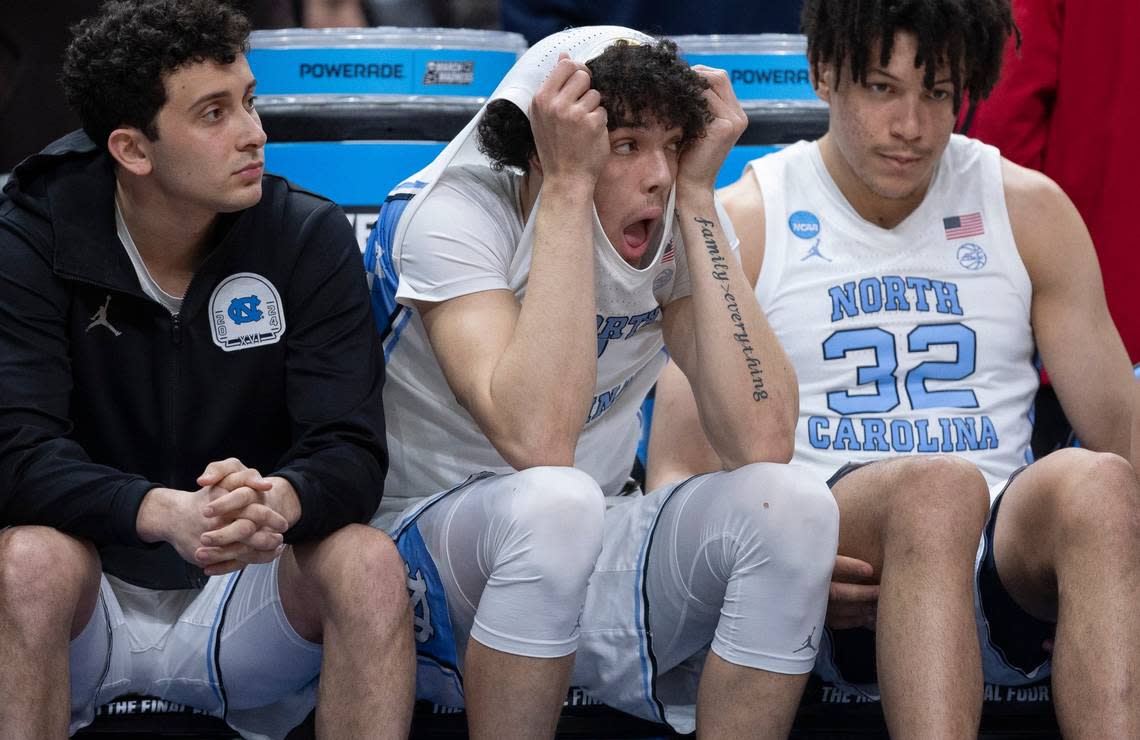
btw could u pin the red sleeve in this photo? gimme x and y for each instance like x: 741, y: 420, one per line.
x: 1015, y: 118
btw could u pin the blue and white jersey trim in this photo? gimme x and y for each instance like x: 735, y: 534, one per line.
x: 391, y: 317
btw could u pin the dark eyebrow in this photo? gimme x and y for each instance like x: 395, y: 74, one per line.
x: 216, y: 95
x: 219, y: 95
x: 885, y: 73
x: 643, y: 129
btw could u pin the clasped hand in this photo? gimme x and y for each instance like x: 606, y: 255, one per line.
x: 231, y: 521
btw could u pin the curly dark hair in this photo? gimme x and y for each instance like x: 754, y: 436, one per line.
x: 968, y: 36
x: 115, y: 67
x: 639, y: 83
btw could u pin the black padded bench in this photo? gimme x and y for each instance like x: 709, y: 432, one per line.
x: 826, y: 713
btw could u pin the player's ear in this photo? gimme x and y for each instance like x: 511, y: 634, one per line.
x: 535, y: 164
x: 821, y: 79
x: 129, y: 147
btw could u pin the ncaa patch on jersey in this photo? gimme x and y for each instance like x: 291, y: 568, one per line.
x: 246, y: 311
x: 804, y: 224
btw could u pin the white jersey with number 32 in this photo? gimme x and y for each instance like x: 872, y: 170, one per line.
x: 911, y: 340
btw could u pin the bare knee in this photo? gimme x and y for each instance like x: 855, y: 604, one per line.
x: 935, y: 504
x: 367, y: 554
x: 1069, y: 506
x: 1096, y: 495
x: 356, y: 570
x: 47, y: 576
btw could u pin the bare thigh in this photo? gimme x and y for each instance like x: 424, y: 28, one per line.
x: 906, y: 493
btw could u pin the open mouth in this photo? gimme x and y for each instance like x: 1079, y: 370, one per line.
x: 635, y: 237
x: 639, y: 232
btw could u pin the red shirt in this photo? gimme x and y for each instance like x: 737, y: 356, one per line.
x: 1069, y: 106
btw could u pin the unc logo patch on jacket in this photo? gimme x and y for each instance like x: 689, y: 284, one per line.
x: 246, y: 311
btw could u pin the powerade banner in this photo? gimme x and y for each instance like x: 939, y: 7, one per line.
x: 359, y: 174
x: 762, y: 76
x: 379, y: 71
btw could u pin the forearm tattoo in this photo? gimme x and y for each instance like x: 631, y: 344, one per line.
x: 720, y: 274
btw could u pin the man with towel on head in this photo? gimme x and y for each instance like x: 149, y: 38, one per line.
x: 526, y: 284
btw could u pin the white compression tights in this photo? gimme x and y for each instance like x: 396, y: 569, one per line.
x: 514, y: 553
x: 742, y: 559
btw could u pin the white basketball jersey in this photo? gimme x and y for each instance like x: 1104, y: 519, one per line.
x: 911, y: 340
x: 471, y: 221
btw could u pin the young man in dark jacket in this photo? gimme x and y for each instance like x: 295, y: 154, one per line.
x: 172, y: 322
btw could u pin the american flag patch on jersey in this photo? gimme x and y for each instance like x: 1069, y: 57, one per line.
x: 669, y: 253
x: 959, y: 227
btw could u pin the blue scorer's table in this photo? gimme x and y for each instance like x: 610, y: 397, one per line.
x: 350, y: 113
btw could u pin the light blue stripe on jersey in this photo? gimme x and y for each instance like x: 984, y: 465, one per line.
x: 640, y: 618
x: 390, y: 316
x: 383, y: 279
x: 641, y: 606
x: 641, y: 615
x: 404, y: 315
x: 1032, y: 413
x: 211, y: 649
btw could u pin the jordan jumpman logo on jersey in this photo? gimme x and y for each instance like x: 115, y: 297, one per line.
x: 814, y: 252
x: 99, y: 318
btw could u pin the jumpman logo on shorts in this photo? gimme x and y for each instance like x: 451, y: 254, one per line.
x: 99, y: 318
x: 807, y: 643
x: 814, y: 252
